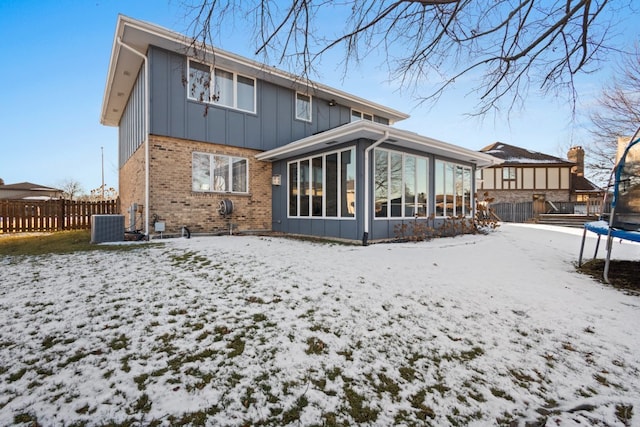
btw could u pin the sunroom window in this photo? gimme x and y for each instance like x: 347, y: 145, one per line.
x: 401, y: 185
x: 323, y: 185
x: 216, y: 86
x: 453, y: 189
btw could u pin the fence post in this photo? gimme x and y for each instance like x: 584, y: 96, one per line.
x: 61, y: 216
x: 3, y: 215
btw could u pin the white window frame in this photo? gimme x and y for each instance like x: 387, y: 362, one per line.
x: 211, y: 87
x: 466, y: 214
x: 403, y: 201
x: 300, y: 114
x: 339, y: 215
x: 361, y: 115
x: 230, y: 175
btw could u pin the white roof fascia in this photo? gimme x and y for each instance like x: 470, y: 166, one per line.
x: 369, y: 130
x: 145, y: 34
x: 347, y: 132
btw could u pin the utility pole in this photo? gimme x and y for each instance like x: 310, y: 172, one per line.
x: 102, y: 151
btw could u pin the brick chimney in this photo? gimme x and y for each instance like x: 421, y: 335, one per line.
x: 576, y: 155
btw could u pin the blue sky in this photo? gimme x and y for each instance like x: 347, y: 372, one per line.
x: 55, y: 58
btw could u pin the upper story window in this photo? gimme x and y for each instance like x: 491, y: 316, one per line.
x: 221, y: 87
x: 359, y: 115
x: 303, y: 107
x: 219, y: 174
x: 509, y: 173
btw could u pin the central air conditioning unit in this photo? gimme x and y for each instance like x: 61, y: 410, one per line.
x: 107, y: 228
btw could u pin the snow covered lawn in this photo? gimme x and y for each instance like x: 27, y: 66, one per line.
x: 269, y: 331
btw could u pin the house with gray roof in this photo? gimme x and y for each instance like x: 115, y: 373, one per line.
x: 530, y: 176
x: 29, y: 191
x: 213, y: 141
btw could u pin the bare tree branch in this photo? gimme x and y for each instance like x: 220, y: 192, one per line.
x: 615, y: 114
x: 514, y: 45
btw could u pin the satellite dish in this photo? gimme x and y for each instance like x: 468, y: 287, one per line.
x: 225, y: 207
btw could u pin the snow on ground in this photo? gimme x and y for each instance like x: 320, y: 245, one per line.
x: 472, y: 330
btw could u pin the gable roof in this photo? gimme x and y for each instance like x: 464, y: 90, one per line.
x: 139, y: 35
x: 580, y: 184
x: 27, y: 186
x: 364, y: 129
x: 513, y: 155
x: 28, y: 190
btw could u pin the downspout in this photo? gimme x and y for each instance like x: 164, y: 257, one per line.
x: 146, y: 133
x: 365, y: 235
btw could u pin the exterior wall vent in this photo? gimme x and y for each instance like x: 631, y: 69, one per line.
x: 107, y: 228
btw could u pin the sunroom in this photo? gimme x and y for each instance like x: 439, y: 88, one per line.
x: 360, y: 180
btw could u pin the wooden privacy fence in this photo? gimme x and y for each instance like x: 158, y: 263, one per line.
x: 513, y: 212
x: 524, y: 211
x: 17, y: 216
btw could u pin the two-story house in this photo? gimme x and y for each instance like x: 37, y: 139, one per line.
x: 526, y: 175
x: 292, y: 156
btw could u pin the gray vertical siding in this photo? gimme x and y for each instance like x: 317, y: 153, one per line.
x: 327, y: 227
x: 131, y: 132
x: 271, y: 126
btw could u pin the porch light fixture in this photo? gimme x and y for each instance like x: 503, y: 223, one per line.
x: 332, y: 103
x: 276, y: 180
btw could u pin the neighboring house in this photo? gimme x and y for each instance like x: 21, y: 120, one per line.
x: 28, y: 190
x: 634, y: 153
x: 293, y: 156
x: 527, y: 175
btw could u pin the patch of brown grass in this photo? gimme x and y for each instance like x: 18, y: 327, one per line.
x: 623, y: 275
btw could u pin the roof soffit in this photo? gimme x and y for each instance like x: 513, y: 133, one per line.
x: 125, y: 65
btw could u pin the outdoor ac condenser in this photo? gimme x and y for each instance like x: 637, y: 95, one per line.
x: 107, y: 228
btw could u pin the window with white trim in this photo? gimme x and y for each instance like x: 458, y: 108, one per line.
x: 217, y: 86
x: 214, y: 173
x: 358, y: 115
x: 303, y: 107
x: 453, y: 189
x: 401, y: 184
x: 323, y: 186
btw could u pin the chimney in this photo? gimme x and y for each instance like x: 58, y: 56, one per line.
x: 576, y: 155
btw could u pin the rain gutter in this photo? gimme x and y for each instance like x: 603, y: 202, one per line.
x: 365, y: 235
x: 146, y: 132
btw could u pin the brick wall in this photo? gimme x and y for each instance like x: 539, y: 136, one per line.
x: 131, y: 186
x: 517, y: 196
x: 172, y: 199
